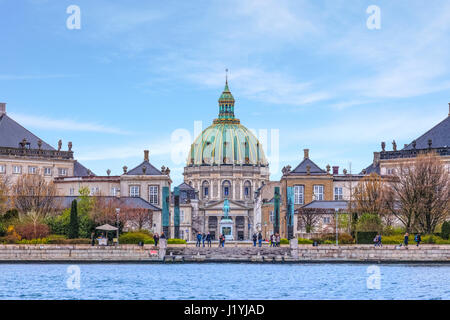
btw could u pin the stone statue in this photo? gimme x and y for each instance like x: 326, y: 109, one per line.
x: 394, y: 145
x: 59, y: 145
x: 226, y: 209
x: 383, y: 146
x: 69, y: 145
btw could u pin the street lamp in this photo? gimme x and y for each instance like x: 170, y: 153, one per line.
x: 117, y: 219
x: 336, y: 218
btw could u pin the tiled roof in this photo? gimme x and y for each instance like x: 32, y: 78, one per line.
x: 301, y: 168
x: 12, y: 133
x: 150, y: 170
x: 80, y: 171
x: 439, y: 136
x: 130, y: 202
x: 322, y: 204
x: 373, y: 169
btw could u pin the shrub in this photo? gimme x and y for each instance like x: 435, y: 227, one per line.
x: 176, y: 241
x: 73, y: 221
x: 429, y: 239
x: 445, y: 230
x: 135, y: 238
x: 33, y: 230
x: 305, y: 241
x: 344, y: 238
x: 391, y: 231
x: 284, y: 241
x: 366, y: 237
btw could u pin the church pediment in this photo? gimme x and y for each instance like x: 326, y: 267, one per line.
x: 234, y: 205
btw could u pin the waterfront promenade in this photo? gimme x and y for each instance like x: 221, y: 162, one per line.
x: 231, y: 253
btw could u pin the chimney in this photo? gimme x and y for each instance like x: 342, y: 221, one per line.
x: 145, y: 155
x: 306, y: 153
x: 3, y: 108
x: 376, y: 158
x: 335, y: 169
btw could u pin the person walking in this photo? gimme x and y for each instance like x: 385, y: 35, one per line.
x: 254, y: 239
x: 278, y: 239
x: 259, y: 239
x: 375, y: 241
x: 199, y: 239
x: 155, y: 239
x: 203, y: 239
x: 380, y: 243
x: 208, y: 239
x: 418, y: 239
x: 271, y: 240
x: 93, y: 239
x: 162, y: 236
x: 406, y: 239
x: 223, y: 240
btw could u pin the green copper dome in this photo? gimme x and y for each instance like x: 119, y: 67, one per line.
x: 226, y: 141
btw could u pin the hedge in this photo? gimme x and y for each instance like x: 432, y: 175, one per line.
x: 365, y: 237
x: 135, y: 238
x: 176, y: 241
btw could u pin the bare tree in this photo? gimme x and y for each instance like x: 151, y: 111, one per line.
x: 32, y: 193
x: 369, y: 195
x: 308, y: 218
x: 420, y: 195
x: 5, y: 200
x: 137, y: 218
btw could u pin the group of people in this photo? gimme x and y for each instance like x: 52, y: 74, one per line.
x: 201, y: 238
x: 418, y: 239
x: 257, y: 237
x: 275, y: 240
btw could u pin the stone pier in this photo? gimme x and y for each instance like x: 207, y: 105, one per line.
x: 185, y: 253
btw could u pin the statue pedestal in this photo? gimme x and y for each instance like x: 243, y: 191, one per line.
x: 226, y: 228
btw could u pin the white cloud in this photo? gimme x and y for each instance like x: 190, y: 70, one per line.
x: 45, y: 123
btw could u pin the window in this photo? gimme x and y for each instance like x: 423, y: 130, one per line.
x: 205, y: 189
x: 2, y: 168
x: 17, y: 169
x: 153, y: 194
x: 94, y: 191
x: 326, y: 220
x: 71, y: 191
x: 247, y: 189
x: 115, y: 191
x: 272, y: 216
x: 318, y: 192
x: 181, y: 216
x: 62, y: 171
x: 47, y: 171
x: 299, y: 194
x: 32, y: 170
x: 338, y: 193
x: 226, y: 187
x: 134, y: 191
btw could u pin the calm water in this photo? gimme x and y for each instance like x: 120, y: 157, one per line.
x: 223, y: 281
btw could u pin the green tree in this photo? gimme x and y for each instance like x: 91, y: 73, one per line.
x: 445, y: 230
x: 369, y: 222
x: 73, y: 226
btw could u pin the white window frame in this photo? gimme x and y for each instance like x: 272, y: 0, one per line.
x: 62, y: 172
x: 135, y: 191
x: 326, y: 220
x: 2, y: 168
x: 271, y: 216
x: 17, y: 169
x: 181, y: 216
x: 153, y: 197
x: 47, y: 171
x: 318, y: 192
x: 72, y: 191
x: 299, y: 194
x: 114, y: 191
x: 338, y: 193
x: 32, y: 170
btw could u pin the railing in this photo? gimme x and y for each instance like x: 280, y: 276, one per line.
x: 387, y: 155
x: 36, y: 153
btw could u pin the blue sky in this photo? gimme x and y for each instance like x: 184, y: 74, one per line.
x: 137, y: 73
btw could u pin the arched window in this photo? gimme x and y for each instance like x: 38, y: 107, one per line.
x: 247, y: 189
x: 205, y: 189
x: 226, y: 189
